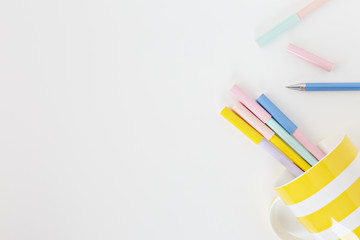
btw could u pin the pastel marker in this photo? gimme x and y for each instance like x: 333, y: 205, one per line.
x: 289, y: 126
x: 310, y: 57
x: 266, y: 118
x: 259, y: 140
x: 289, y: 23
x: 265, y: 131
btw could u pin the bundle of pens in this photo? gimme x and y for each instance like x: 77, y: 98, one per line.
x: 323, y: 193
x: 267, y: 126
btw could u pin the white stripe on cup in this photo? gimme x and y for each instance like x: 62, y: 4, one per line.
x: 341, y: 229
x: 329, y: 192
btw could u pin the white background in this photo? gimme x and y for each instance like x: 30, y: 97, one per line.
x: 110, y: 125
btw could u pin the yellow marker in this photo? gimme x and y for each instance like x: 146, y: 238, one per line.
x: 256, y: 137
x: 243, y: 126
x: 300, y: 162
x: 265, y: 131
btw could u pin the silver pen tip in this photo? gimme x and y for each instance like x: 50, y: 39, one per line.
x: 298, y: 87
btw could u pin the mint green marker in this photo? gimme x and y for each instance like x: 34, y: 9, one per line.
x: 279, y: 29
x: 289, y: 23
x: 291, y: 141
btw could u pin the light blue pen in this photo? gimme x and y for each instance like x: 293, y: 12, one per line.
x: 346, y: 86
x: 289, y: 22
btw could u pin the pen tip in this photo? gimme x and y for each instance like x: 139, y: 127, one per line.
x: 299, y: 87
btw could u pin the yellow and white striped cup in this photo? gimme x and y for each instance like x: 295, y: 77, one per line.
x: 326, y: 198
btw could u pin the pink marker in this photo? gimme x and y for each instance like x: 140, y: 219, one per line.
x: 250, y: 103
x: 304, y: 146
x: 310, y: 57
x: 250, y: 118
x: 271, y: 140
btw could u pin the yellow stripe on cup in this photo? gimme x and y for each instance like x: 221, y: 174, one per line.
x: 334, y: 212
x: 353, y: 235
x: 319, y: 175
x: 301, y: 163
x: 243, y: 126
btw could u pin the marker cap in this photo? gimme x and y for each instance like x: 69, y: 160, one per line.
x: 310, y: 57
x: 277, y: 114
x: 243, y: 126
x: 250, y: 103
x: 253, y: 121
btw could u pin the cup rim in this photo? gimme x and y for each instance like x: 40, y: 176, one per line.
x: 339, y: 138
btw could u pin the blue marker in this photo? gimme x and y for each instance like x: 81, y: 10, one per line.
x: 289, y: 126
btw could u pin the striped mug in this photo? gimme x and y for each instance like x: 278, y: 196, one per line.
x: 325, y: 199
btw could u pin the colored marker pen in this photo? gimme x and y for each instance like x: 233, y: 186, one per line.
x: 266, y: 118
x: 259, y: 140
x: 264, y: 130
x: 289, y: 22
x: 289, y: 126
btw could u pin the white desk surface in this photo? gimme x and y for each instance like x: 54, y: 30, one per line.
x: 110, y: 125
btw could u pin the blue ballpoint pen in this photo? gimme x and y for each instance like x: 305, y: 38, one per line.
x: 346, y: 86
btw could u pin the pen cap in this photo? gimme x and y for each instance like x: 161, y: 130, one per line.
x: 249, y: 117
x: 277, y: 114
x: 243, y: 126
x: 250, y: 103
x: 310, y: 57
x: 310, y: 8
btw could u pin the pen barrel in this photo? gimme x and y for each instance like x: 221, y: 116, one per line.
x: 312, y: 148
x: 278, y: 155
x: 310, y: 8
x: 333, y: 86
x: 292, y: 142
x: 290, y: 153
x: 278, y: 30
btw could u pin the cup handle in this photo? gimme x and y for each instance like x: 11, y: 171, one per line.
x: 284, y: 224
